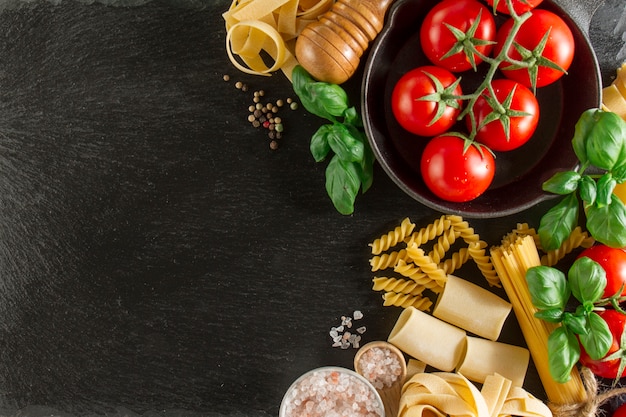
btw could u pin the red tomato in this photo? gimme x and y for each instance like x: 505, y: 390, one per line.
x: 453, y: 173
x: 608, y: 368
x: 559, y: 48
x: 613, y: 261
x: 519, y: 6
x: 520, y: 127
x: 437, y: 39
x: 417, y: 116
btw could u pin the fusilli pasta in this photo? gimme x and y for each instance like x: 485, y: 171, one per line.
x: 393, y: 237
x: 406, y: 300
x: 387, y: 260
x: 403, y: 286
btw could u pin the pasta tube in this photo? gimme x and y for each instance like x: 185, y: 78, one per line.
x: 485, y: 357
x: 472, y: 308
x: 428, y: 339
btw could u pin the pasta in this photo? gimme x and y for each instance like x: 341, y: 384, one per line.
x: 406, y: 300
x: 413, y: 272
x: 479, y: 255
x: 511, y: 262
x: 429, y: 232
x: 393, y: 237
x: 397, y: 285
x: 445, y: 241
x: 255, y: 28
x: 427, y: 265
x: 455, y: 261
x: 387, y: 260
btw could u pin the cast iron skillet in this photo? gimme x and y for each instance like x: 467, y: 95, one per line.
x: 519, y: 173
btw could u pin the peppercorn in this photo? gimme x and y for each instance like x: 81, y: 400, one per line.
x: 273, y: 145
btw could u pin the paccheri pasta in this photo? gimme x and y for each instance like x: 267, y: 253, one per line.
x: 260, y: 29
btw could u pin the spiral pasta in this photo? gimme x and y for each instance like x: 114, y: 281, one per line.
x: 463, y: 228
x: 410, y: 270
x: 445, y: 241
x: 406, y: 300
x: 477, y: 251
x: 392, y: 238
x: 427, y: 265
x: 455, y: 261
x: 429, y: 232
x: 387, y: 260
x: 403, y: 286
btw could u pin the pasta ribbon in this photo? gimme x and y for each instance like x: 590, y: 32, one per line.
x: 260, y: 30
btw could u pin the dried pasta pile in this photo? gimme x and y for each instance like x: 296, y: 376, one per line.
x: 614, y: 95
x: 265, y: 30
x: 402, y: 251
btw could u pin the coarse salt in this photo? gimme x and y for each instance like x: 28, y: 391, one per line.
x: 331, y: 392
x: 380, y: 366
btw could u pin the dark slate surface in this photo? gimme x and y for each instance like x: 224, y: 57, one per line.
x: 156, y: 257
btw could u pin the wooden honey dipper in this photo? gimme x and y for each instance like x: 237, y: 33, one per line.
x: 331, y: 48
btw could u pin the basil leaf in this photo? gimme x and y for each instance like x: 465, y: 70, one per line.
x: 576, y: 323
x: 367, y: 167
x: 562, y: 183
x: 588, y: 190
x: 352, y: 117
x: 606, y: 140
x: 619, y: 173
x: 582, y: 130
x: 587, y: 280
x: 607, y: 224
x: 551, y: 315
x: 548, y: 287
x: 598, y: 339
x: 324, y: 100
x: 345, y: 145
x: 606, y: 184
x: 342, y: 184
x: 319, y: 145
x: 563, y: 353
x: 556, y: 225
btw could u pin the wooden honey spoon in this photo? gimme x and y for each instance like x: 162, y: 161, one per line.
x: 386, y: 369
x: 331, y: 48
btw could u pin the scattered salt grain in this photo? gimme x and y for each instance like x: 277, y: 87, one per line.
x: 357, y: 315
x: 380, y: 366
x: 344, y: 339
x: 330, y: 392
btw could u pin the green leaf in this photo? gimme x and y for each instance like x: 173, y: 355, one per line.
x: 598, y: 339
x: 582, y: 131
x: 562, y: 183
x: 344, y: 143
x: 342, y: 184
x: 563, y: 354
x: 367, y: 167
x: 552, y: 315
x: 606, y: 140
x: 557, y: 224
x: 587, y: 280
x: 324, y: 100
x: 352, y: 117
x: 548, y: 287
x: 607, y: 224
x: 576, y: 323
x: 588, y: 190
x: 606, y: 184
x: 319, y: 145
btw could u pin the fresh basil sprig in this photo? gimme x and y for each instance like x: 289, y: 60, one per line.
x: 600, y: 146
x: 351, y: 166
x: 550, y: 292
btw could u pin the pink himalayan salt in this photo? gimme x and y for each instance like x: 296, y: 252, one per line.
x: 380, y: 366
x: 331, y: 392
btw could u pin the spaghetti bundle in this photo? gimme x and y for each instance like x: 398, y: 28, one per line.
x: 511, y: 261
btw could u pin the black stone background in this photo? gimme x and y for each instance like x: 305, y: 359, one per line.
x: 156, y: 257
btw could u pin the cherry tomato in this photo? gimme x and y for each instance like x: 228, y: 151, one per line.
x: 613, y: 261
x: 454, y: 173
x: 608, y: 368
x: 470, y: 17
x: 519, y: 6
x: 516, y: 99
x: 418, y: 116
x: 558, y: 49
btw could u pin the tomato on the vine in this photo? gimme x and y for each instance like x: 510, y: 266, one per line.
x: 519, y: 6
x: 425, y: 100
x: 456, y: 170
x: 456, y: 33
x: 544, y: 42
x: 507, y: 122
x: 613, y: 261
x: 612, y: 365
